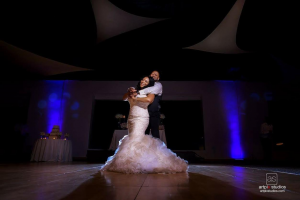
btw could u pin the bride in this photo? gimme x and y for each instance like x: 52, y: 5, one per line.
x: 140, y: 153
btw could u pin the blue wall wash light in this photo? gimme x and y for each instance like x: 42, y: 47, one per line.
x: 231, y: 109
x: 55, y: 104
x: 75, y: 106
x: 53, y: 97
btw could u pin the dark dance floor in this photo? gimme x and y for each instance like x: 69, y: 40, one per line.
x: 79, y: 180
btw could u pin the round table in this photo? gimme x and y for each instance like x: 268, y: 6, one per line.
x: 52, y: 150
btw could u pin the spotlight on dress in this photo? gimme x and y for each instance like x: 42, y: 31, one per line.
x: 140, y: 153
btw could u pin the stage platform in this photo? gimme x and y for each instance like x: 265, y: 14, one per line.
x: 83, y: 181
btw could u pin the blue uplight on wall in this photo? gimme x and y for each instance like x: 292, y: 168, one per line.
x: 53, y: 97
x: 55, y: 104
x: 231, y: 108
x: 75, y: 106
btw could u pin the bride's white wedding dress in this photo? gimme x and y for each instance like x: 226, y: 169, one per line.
x: 140, y: 153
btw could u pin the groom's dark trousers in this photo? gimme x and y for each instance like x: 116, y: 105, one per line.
x: 154, y: 115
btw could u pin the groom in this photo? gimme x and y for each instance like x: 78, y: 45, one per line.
x: 154, y: 107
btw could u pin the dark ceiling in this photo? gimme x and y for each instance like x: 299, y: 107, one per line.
x: 66, y: 31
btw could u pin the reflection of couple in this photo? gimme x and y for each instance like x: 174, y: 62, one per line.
x: 137, y: 152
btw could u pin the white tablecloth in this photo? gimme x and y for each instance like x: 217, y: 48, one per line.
x: 52, y: 150
x: 119, y: 134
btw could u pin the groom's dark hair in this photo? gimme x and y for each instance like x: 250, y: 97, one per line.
x: 151, y: 83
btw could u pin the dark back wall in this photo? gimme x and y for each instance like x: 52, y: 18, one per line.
x: 232, y: 111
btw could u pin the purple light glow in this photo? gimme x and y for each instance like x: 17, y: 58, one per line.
x: 55, y: 104
x: 229, y: 97
x: 53, y: 97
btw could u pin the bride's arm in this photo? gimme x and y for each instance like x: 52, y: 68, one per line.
x: 130, y: 91
x: 125, y: 97
x: 149, y: 98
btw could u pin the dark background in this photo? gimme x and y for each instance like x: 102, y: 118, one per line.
x: 104, y: 122
x: 183, y: 122
x: 66, y: 31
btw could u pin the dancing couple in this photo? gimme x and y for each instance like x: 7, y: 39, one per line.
x: 139, y: 152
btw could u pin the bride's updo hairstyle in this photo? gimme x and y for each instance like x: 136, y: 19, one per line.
x: 151, y: 83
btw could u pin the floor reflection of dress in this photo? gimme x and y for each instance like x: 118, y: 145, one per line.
x: 140, y: 153
x: 114, y: 179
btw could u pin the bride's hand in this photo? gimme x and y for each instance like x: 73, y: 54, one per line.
x: 131, y: 90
